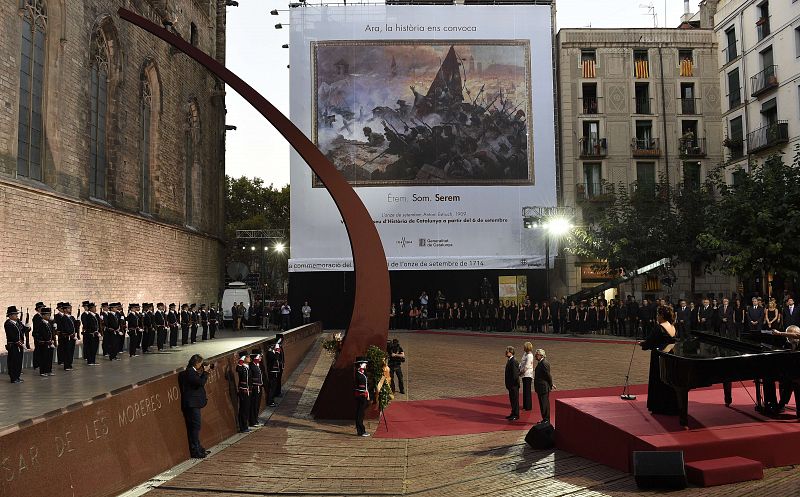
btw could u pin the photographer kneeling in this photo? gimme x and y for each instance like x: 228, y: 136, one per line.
x: 192, y: 382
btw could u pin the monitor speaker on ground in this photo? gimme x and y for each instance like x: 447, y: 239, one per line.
x: 659, y: 469
x: 541, y: 436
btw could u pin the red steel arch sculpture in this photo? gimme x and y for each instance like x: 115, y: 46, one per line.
x: 370, y: 320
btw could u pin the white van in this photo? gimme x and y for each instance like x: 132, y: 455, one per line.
x: 236, y: 292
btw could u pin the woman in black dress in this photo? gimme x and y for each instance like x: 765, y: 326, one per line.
x: 592, y: 318
x: 661, y: 398
x: 582, y: 315
x: 739, y: 313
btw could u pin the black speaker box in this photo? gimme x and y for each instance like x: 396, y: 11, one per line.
x: 541, y: 436
x: 653, y: 469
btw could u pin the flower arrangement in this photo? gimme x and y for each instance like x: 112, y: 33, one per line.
x: 375, y: 372
x: 333, y: 344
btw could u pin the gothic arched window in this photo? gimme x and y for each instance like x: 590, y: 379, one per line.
x: 192, y: 166
x: 30, y: 137
x: 98, y: 109
x: 146, y: 141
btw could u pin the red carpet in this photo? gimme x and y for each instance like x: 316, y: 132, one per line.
x: 607, y: 430
x: 461, y: 416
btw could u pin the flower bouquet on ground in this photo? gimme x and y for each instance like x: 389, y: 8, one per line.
x: 379, y: 377
x: 333, y: 344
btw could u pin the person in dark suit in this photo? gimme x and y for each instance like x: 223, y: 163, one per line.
x: 684, y: 319
x: 192, y: 382
x: 543, y: 383
x: 727, y: 326
x: 704, y: 315
x: 755, y: 317
x: 512, y: 383
x: 791, y: 314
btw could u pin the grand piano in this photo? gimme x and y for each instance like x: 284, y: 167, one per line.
x: 704, y: 359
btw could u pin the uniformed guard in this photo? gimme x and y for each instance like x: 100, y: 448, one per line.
x: 122, y: 319
x: 257, y: 382
x: 147, y: 323
x: 101, y: 317
x: 186, y: 317
x: 172, y: 321
x: 91, y: 334
x: 56, y: 323
x: 135, y: 328
x: 194, y: 319
x: 160, y: 323
x: 281, y: 364
x: 68, y: 329
x: 243, y: 390
x: 112, y: 331
x: 37, y: 317
x: 273, y: 368
x: 204, y: 321
x: 361, y: 391
x: 15, y: 343
x: 44, y: 338
x: 213, y: 321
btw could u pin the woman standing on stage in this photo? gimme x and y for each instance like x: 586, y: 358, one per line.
x: 772, y: 317
x: 526, y: 372
x: 661, y: 398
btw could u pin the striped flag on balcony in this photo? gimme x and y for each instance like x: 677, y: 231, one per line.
x: 687, y: 67
x: 588, y: 68
x: 642, y: 69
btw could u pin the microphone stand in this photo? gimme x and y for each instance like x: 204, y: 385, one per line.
x: 626, y: 395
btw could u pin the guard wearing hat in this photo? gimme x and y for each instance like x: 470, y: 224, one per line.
x: 273, y: 369
x: 147, y: 325
x: 213, y: 321
x: 135, y: 326
x: 68, y: 328
x: 112, y: 331
x: 91, y: 333
x: 172, y: 322
x: 37, y: 317
x: 186, y: 317
x: 44, y: 337
x: 15, y: 343
x: 281, y: 363
x: 257, y: 382
x: 194, y: 319
x: 361, y: 391
x: 204, y: 321
x: 101, y: 319
x: 123, y: 327
x: 243, y: 390
x: 160, y: 323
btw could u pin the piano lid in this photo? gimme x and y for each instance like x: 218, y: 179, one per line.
x: 706, y: 346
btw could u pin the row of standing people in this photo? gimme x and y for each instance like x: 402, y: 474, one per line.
x: 251, y: 372
x: 104, y: 331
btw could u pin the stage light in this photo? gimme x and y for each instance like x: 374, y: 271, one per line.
x: 274, y: 12
x: 266, y: 248
x: 558, y: 226
x: 252, y: 247
x: 279, y: 248
x: 285, y: 45
x: 279, y: 26
x: 294, y: 5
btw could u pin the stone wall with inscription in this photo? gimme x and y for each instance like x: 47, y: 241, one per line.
x: 111, y: 443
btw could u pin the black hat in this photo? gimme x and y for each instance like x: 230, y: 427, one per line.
x: 92, y: 304
x: 104, y: 304
x: 184, y: 305
x: 60, y: 305
x: 11, y: 310
x: 45, y: 310
x: 255, y: 351
x: 172, y: 305
x: 85, y: 303
x: 242, y: 354
x: 202, y: 305
x: 66, y: 304
x: 160, y: 304
x: 361, y: 359
x: 193, y: 305
x: 115, y: 304
x: 39, y: 305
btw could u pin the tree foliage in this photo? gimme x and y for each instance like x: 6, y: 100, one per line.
x: 253, y: 205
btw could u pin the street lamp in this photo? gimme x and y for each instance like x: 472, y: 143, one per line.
x: 279, y: 247
x: 553, y: 226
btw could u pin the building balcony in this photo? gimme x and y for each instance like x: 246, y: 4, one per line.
x: 690, y: 106
x: 645, y: 147
x: 643, y: 105
x: 768, y: 136
x: 691, y: 148
x: 735, y: 98
x: 592, y: 148
x: 735, y: 148
x: 764, y: 81
x: 591, y: 105
x: 594, y: 192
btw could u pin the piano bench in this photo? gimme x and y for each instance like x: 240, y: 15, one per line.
x: 722, y: 471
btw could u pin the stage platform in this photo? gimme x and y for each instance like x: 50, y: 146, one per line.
x: 607, y: 429
x: 41, y: 396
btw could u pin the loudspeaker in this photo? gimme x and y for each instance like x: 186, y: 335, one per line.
x: 652, y: 469
x: 541, y: 436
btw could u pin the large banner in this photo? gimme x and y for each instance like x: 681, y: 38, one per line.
x: 441, y: 117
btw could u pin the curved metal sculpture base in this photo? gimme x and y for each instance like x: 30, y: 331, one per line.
x: 370, y: 322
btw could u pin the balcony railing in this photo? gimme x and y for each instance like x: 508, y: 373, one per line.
x: 762, y: 26
x: 730, y: 52
x: 690, y: 106
x: 643, y: 105
x: 592, y: 147
x: 590, y: 105
x: 768, y: 136
x: 735, y: 148
x: 692, y: 147
x: 645, y: 147
x: 764, y: 81
x: 594, y: 192
x: 643, y: 190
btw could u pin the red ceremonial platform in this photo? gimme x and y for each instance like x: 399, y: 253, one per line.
x: 609, y: 429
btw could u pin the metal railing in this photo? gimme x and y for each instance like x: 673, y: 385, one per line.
x: 591, y: 105
x: 692, y: 147
x: 592, y: 147
x: 768, y: 136
x: 643, y: 190
x: 735, y: 98
x: 690, y: 106
x: 730, y: 52
x: 735, y: 148
x: 647, y: 147
x: 643, y: 105
x: 594, y: 192
x: 764, y: 81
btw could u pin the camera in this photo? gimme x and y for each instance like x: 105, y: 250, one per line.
x: 210, y: 366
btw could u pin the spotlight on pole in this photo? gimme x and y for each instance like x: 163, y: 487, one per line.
x: 279, y: 247
x: 252, y: 247
x: 279, y: 26
x: 285, y: 45
x: 274, y: 12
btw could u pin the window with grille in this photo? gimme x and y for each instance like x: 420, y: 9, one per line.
x: 30, y: 128
x: 98, y: 109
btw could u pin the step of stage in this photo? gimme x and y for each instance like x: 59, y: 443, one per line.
x: 724, y: 470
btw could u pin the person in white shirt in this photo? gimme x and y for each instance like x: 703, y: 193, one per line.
x: 286, y: 311
x: 526, y: 371
x: 306, y: 310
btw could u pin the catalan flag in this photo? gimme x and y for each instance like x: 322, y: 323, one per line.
x: 687, y: 67
x: 588, y: 68
x: 642, y: 69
